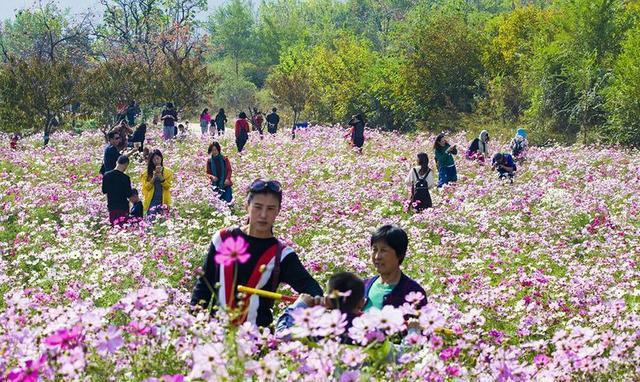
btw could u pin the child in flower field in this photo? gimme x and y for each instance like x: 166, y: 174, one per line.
x: 391, y: 286
x: 345, y: 292
x: 137, y: 208
x: 252, y: 256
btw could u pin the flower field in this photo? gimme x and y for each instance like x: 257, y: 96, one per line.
x: 539, y: 280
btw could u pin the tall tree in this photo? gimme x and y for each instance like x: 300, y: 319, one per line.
x: 232, y: 31
x: 290, y: 82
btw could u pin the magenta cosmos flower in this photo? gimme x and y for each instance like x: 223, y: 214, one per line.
x: 30, y: 371
x: 232, y: 250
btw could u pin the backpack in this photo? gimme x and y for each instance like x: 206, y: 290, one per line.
x: 517, y: 146
x: 421, y: 193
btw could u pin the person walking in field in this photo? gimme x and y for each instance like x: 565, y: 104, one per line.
x: 220, y: 120
x: 242, y: 131
x: 205, y: 120
x: 272, y: 121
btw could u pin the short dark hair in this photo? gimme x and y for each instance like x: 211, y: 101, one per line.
x: 346, y: 282
x: 265, y: 191
x: 497, y: 158
x: 395, y: 237
x: 169, y: 105
x: 112, y: 134
x: 216, y: 145
x: 274, y: 110
x: 123, y: 159
x: 242, y: 115
x: 134, y: 191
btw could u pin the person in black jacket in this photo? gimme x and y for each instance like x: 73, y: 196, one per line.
x: 357, y: 124
x: 272, y: 121
x: 117, y: 185
x: 263, y: 264
x: 111, y: 152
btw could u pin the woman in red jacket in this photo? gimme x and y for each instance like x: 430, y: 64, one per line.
x: 219, y: 172
x: 242, y: 131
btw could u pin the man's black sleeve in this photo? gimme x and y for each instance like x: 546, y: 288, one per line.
x: 105, y: 189
x: 294, y: 274
x: 202, y: 292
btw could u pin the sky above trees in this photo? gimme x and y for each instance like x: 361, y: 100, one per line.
x: 9, y: 7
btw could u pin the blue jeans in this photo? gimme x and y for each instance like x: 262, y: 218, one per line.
x: 446, y: 175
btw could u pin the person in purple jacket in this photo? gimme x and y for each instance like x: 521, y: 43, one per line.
x: 389, y: 245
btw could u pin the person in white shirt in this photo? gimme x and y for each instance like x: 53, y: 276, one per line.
x: 420, y: 180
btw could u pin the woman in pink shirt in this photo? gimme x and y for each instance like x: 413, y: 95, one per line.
x: 205, y: 120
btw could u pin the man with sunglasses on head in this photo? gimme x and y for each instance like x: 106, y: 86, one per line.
x: 270, y: 263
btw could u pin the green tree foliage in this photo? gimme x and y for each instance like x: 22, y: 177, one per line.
x: 336, y: 75
x: 623, y: 96
x: 566, y: 69
x: 34, y: 93
x: 444, y: 61
x: 290, y: 81
x: 513, y: 38
x: 232, y: 31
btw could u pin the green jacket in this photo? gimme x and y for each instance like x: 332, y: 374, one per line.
x: 443, y: 158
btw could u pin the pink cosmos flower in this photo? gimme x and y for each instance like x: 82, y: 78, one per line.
x: 65, y: 338
x: 30, y: 371
x: 414, y: 297
x: 232, y: 250
x: 541, y: 360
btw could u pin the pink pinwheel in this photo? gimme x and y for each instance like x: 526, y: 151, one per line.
x: 232, y: 250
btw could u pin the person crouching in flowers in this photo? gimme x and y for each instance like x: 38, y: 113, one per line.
x: 479, y: 147
x: 219, y: 172
x: 252, y: 256
x: 391, y: 286
x: 345, y: 293
x: 156, y: 183
x: 505, y: 165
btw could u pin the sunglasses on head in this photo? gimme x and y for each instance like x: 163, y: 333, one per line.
x: 261, y: 184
